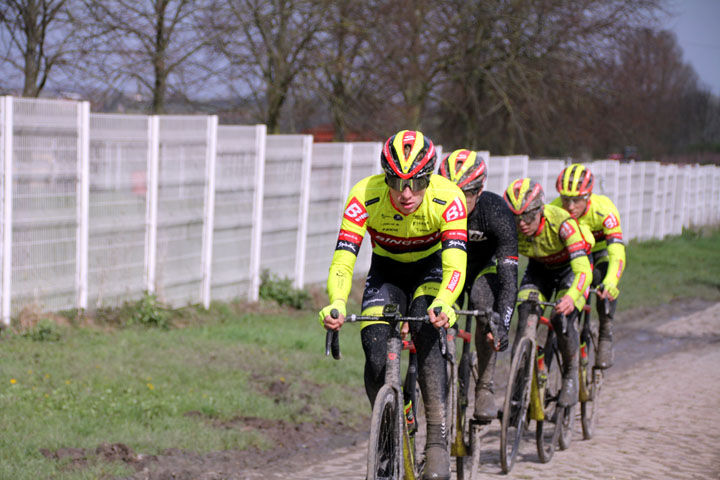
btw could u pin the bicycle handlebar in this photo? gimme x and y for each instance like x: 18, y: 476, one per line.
x: 487, y: 317
x: 332, y: 337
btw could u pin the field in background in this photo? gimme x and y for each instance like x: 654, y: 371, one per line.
x: 78, y: 386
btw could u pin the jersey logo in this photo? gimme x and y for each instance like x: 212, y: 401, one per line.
x: 610, y: 222
x: 566, y: 230
x: 441, y: 202
x: 476, y: 236
x: 581, y: 282
x: 356, y: 213
x: 454, y: 280
x: 455, y: 211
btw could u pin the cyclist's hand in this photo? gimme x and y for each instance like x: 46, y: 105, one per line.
x: 446, y: 318
x: 327, y: 320
x: 502, y: 341
x: 404, y: 330
x: 609, y: 292
x: 565, y: 306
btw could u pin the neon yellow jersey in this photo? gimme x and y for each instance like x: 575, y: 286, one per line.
x: 439, y: 223
x: 557, y: 242
x: 602, y: 218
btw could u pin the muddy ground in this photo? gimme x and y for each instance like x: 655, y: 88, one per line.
x: 660, y: 419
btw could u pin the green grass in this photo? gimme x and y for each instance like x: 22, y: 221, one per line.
x: 684, y: 266
x: 81, y: 386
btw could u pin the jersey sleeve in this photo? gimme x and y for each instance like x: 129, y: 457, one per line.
x: 573, y: 239
x: 615, y: 246
x: 350, y: 237
x: 454, y: 249
x: 506, y: 255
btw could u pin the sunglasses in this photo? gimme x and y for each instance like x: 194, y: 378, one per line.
x: 568, y: 200
x: 528, y: 216
x: 399, y: 184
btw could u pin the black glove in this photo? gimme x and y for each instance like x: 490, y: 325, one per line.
x: 499, y: 332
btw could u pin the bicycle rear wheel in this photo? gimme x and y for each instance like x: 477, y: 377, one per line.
x: 515, y: 406
x: 548, y: 430
x: 471, y: 433
x: 590, y: 377
x: 385, y: 451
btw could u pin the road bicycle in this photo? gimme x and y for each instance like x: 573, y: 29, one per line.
x: 465, y: 432
x: 591, y: 376
x: 391, y: 446
x: 533, y: 388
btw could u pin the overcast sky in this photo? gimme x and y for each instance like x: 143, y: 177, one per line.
x: 697, y: 26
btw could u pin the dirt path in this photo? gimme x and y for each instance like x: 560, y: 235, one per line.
x: 660, y: 413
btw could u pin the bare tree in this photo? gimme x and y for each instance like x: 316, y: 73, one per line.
x: 266, y: 43
x: 38, y: 38
x: 152, y: 47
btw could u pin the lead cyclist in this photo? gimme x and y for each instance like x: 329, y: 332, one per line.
x: 418, y: 225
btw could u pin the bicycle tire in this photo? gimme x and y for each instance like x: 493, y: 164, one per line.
x: 548, y: 430
x: 592, y: 378
x: 385, y: 446
x: 515, y: 406
x: 467, y: 465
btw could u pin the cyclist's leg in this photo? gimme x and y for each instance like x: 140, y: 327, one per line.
x: 432, y: 377
x: 482, y: 295
x: 538, y: 279
x: 605, y: 357
x: 374, y: 335
x: 568, y: 339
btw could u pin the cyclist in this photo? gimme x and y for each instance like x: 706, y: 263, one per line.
x: 558, y: 263
x: 598, y: 212
x: 418, y: 225
x: 492, y: 265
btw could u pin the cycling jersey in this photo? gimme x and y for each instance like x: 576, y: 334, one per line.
x: 557, y: 242
x: 439, y: 223
x: 492, y: 241
x: 602, y: 218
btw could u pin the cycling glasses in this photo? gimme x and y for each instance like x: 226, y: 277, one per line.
x: 528, y: 216
x: 416, y: 184
x: 568, y: 200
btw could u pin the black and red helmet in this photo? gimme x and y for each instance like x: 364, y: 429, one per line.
x: 408, y: 154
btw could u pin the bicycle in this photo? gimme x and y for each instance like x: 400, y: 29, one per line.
x: 591, y: 377
x: 466, y: 432
x: 533, y: 389
x: 391, y: 452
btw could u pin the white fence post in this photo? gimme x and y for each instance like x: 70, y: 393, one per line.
x: 83, y: 204
x: 6, y: 135
x: 209, y: 216
x: 303, y: 211
x: 256, y: 235
x: 151, y: 202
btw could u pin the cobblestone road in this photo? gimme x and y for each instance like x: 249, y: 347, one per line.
x: 660, y: 416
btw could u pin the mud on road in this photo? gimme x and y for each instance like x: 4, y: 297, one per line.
x: 659, y: 418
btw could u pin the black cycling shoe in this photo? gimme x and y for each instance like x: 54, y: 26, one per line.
x: 485, y: 409
x: 569, y: 393
x: 605, y: 354
x: 437, y: 463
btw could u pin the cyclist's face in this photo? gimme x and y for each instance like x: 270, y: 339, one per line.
x: 576, y: 206
x: 528, y: 227
x: 406, y: 201
x: 471, y: 199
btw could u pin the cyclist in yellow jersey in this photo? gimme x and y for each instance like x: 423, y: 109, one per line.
x: 598, y: 212
x: 558, y: 263
x: 417, y: 222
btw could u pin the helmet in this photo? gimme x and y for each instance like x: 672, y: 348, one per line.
x: 408, y: 154
x: 465, y: 168
x: 524, y: 195
x: 575, y: 181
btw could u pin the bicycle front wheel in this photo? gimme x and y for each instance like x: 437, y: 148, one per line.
x: 515, y: 406
x: 591, y: 378
x: 467, y: 463
x: 385, y: 453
